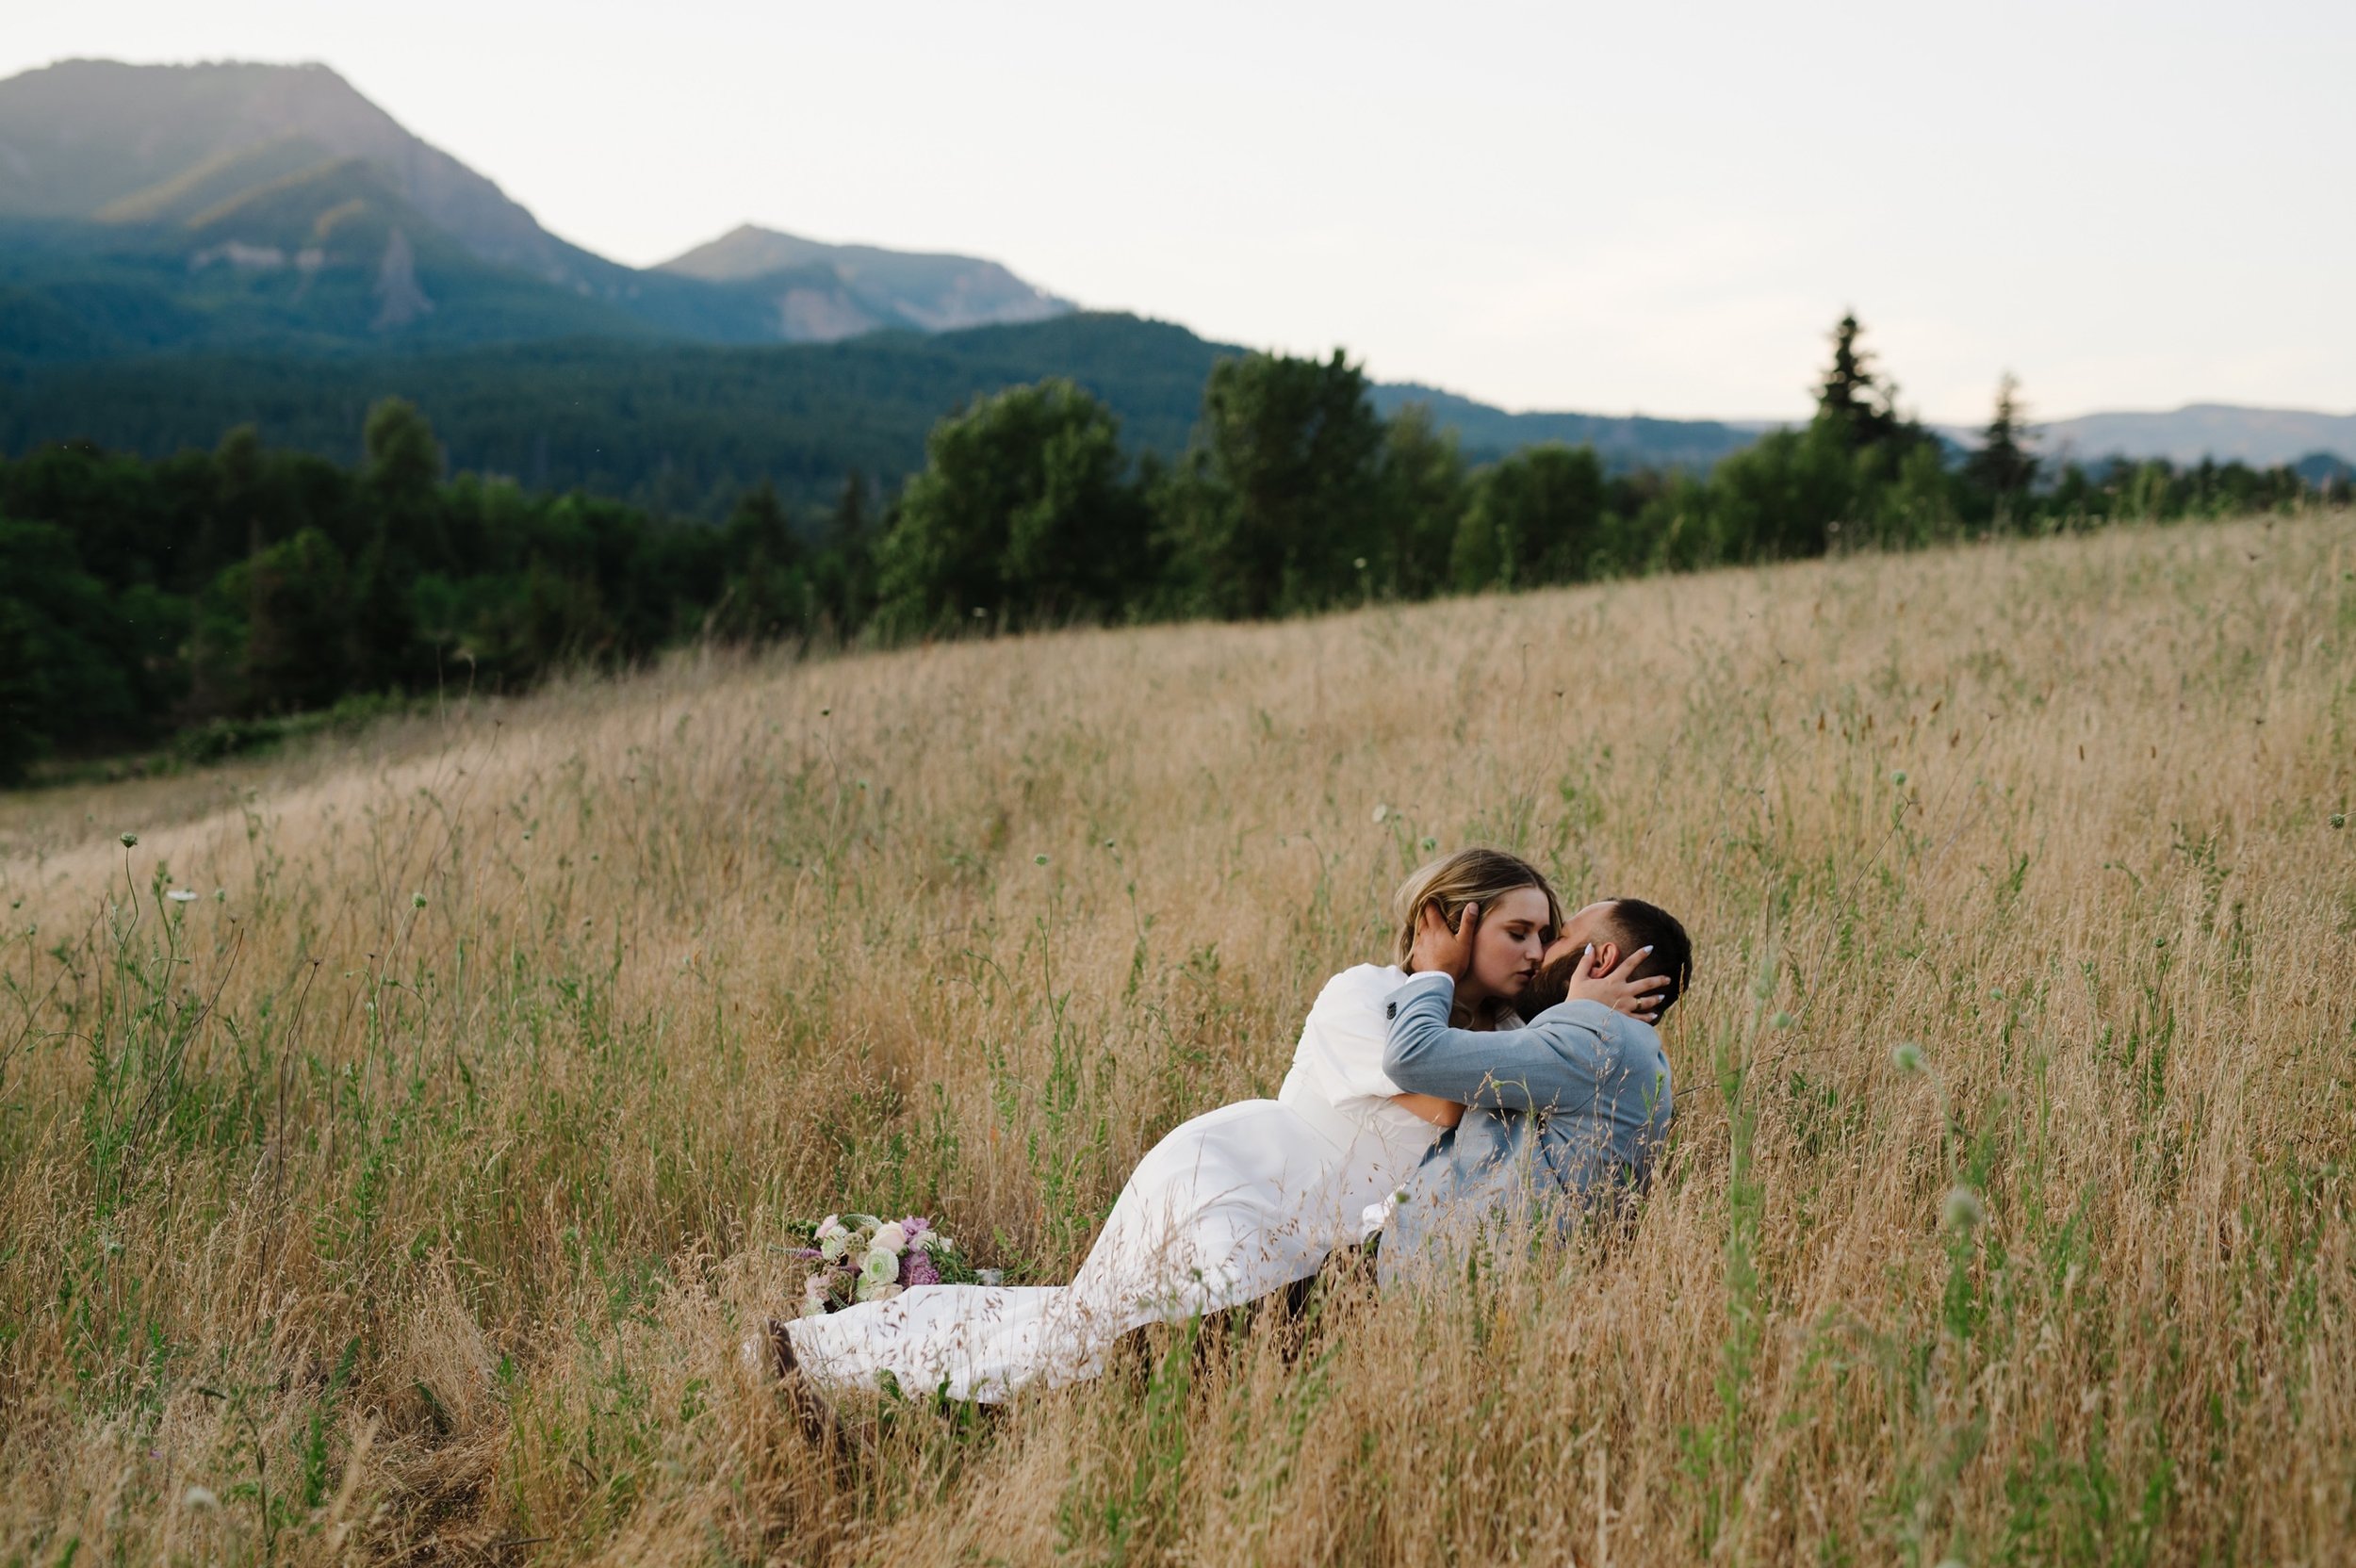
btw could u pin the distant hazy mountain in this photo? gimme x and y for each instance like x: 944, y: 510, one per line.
x: 2259, y: 437
x: 273, y: 207
x: 232, y: 216
x: 823, y: 293
x: 1632, y: 441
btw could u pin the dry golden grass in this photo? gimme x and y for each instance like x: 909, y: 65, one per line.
x: 336, y: 1227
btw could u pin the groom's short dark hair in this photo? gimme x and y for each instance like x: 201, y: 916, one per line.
x: 1632, y: 924
x: 1635, y: 923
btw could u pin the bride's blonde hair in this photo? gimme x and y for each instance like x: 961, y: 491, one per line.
x: 1477, y: 875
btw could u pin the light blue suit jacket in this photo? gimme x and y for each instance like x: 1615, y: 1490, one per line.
x: 1562, y: 1115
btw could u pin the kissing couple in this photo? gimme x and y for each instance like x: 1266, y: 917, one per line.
x: 1420, y: 1107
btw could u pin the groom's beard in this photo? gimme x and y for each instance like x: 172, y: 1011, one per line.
x: 1550, y: 986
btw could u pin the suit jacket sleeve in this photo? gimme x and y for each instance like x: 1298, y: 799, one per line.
x: 1555, y: 1063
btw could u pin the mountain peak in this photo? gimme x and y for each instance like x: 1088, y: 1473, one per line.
x: 825, y: 291
x: 90, y: 139
x: 233, y: 160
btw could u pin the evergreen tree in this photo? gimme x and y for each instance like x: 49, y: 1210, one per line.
x: 760, y: 525
x: 844, y: 571
x: 1860, y: 406
x: 2003, y: 470
x: 768, y: 591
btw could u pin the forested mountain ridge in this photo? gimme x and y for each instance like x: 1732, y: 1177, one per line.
x: 184, y: 208
x: 677, y: 428
x: 687, y: 428
x: 1487, y: 432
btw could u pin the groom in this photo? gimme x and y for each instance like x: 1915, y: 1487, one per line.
x: 1562, y: 1117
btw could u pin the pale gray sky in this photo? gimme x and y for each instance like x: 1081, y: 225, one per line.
x: 1658, y: 208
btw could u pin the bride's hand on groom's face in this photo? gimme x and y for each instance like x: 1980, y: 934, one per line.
x: 1440, y: 950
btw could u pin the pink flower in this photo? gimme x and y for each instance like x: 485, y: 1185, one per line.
x: 916, y: 1269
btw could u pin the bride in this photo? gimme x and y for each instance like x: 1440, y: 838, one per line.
x: 1230, y: 1206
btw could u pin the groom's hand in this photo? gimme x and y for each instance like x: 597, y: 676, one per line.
x: 1441, y: 950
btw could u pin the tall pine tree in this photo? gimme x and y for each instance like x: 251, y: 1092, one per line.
x: 2002, y: 468
x: 1852, y: 400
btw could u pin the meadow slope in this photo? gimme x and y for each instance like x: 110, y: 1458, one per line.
x: 403, y: 1197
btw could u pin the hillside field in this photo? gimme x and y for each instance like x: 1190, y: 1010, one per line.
x: 403, y: 1196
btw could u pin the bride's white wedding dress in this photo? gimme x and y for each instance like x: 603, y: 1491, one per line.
x: 1234, y: 1205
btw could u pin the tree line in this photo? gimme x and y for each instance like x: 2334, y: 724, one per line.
x: 217, y: 594
x: 1293, y: 497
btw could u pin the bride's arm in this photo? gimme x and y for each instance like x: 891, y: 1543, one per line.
x: 1345, y: 1033
x: 1439, y: 1112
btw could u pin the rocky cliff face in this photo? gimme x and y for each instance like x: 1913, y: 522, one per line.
x: 400, y: 299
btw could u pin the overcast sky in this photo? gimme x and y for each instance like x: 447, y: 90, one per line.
x: 1653, y: 209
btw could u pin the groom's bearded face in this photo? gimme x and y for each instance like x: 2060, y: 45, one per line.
x: 1552, y: 982
x: 1550, y: 986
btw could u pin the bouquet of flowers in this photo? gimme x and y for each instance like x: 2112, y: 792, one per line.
x: 863, y: 1257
